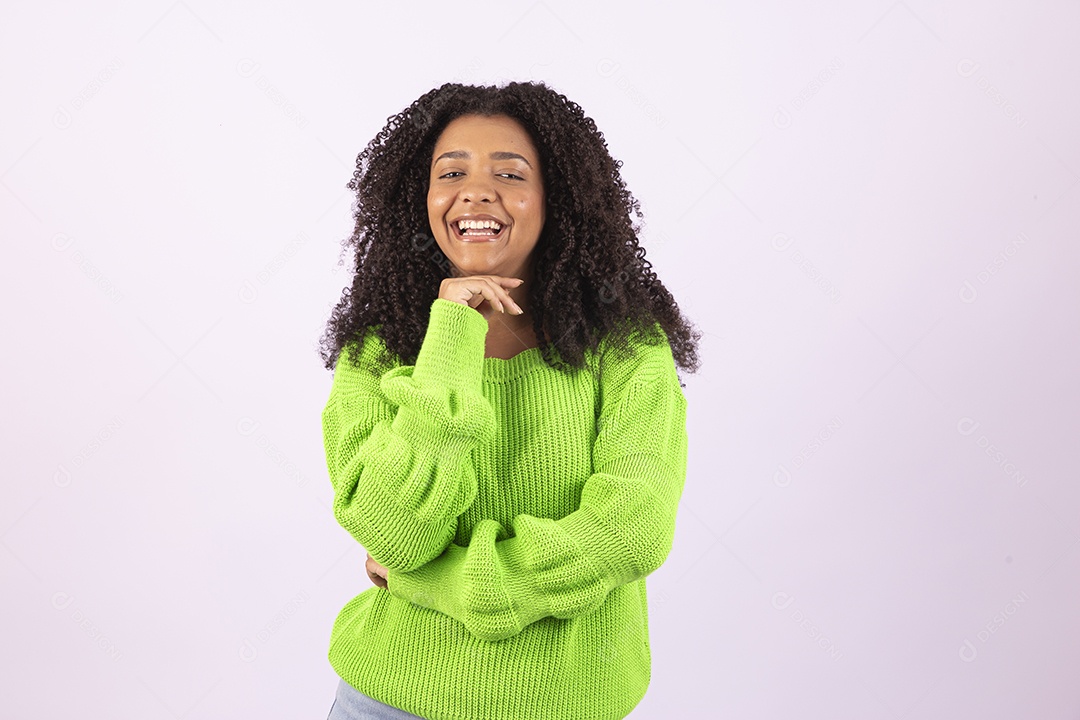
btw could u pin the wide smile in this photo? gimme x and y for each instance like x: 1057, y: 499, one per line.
x: 486, y: 236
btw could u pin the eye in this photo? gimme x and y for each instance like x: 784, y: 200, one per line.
x: 513, y: 175
x: 452, y: 172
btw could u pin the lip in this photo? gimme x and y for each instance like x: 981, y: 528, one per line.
x: 464, y: 238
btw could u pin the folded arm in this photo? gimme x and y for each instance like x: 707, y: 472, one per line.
x: 398, y: 443
x: 622, y: 531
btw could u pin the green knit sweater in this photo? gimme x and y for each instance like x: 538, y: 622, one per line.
x: 518, y: 511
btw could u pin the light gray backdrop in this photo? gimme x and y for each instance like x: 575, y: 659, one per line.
x: 870, y: 209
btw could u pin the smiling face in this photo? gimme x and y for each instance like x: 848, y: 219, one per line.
x: 488, y: 169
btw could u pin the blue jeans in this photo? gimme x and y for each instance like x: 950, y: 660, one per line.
x: 351, y: 704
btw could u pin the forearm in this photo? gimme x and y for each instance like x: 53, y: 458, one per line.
x: 398, y: 445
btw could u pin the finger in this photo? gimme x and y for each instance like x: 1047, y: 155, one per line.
x: 497, y: 301
x: 511, y: 283
x: 514, y: 307
x: 493, y: 291
x: 477, y: 293
x: 486, y: 291
x: 374, y: 568
x: 474, y: 290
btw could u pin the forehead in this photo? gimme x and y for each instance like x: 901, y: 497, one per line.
x: 485, y: 134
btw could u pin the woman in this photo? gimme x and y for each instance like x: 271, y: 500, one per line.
x: 506, y: 428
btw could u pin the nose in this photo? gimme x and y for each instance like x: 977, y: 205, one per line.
x: 477, y: 188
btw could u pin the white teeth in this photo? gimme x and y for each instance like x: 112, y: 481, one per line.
x: 479, y: 225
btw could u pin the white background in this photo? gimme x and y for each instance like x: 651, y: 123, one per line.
x: 869, y: 209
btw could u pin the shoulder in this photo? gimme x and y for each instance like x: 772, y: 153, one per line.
x: 632, y: 356
x: 364, y: 356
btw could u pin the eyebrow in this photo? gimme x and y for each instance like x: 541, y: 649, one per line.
x: 497, y: 155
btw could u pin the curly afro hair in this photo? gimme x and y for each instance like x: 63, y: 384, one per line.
x: 596, y: 282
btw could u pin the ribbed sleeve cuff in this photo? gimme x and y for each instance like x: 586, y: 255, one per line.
x: 419, y: 429
x: 431, y: 585
x: 599, y: 545
x: 492, y: 606
x: 452, y: 353
x: 527, y: 601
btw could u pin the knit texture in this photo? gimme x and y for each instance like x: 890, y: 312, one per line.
x: 518, y: 511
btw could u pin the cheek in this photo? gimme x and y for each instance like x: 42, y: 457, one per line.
x: 536, y: 211
x: 437, y: 202
x: 436, y: 210
x: 529, y: 209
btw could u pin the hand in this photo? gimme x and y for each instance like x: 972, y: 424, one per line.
x: 475, y: 290
x: 376, y: 572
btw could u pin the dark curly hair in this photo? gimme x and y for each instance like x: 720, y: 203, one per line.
x: 596, y: 280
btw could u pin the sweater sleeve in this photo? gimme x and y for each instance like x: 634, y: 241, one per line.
x: 398, y: 443
x: 501, y: 582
